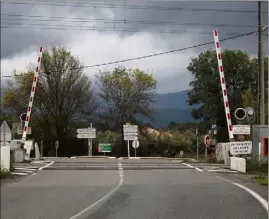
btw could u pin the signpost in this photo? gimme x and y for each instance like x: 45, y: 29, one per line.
x: 240, y: 147
x: 135, y: 145
x: 105, y: 148
x: 130, y: 134
x: 241, y: 129
x: 56, y: 147
x: 5, y: 133
x: 206, y: 141
x: 88, y: 133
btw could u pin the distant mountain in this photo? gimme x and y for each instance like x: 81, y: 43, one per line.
x: 169, y: 107
x: 164, y: 116
x: 176, y: 100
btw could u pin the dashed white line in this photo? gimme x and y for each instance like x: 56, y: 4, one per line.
x: 190, y: 166
x: 80, y: 214
x: 49, y: 164
x: 260, y: 199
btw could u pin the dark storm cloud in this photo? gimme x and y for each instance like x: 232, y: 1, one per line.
x: 17, y: 40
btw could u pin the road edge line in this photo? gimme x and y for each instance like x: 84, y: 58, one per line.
x: 121, y: 176
x: 49, y: 164
x: 260, y: 199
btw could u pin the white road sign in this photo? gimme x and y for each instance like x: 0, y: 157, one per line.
x: 130, y: 128
x: 240, y: 147
x: 130, y: 134
x: 135, y: 143
x: 86, y: 135
x: 241, y: 129
x: 88, y: 130
x: 5, y: 132
x: 130, y: 138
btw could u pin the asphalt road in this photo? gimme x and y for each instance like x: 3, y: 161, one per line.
x: 134, y: 193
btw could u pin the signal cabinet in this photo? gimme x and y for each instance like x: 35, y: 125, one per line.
x: 260, y: 135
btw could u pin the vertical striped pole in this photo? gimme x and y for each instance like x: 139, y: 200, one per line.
x: 31, y: 99
x: 223, y: 86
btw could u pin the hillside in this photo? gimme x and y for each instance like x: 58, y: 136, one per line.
x: 176, y: 100
x: 169, y: 107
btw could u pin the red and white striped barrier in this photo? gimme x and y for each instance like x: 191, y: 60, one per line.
x: 31, y: 99
x: 223, y: 86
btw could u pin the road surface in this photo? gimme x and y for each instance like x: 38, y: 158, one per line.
x: 126, y: 189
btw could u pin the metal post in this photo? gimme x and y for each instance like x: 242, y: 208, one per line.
x: 197, y: 145
x: 128, y: 149
x: 135, y: 150
x: 90, y: 144
x: 41, y: 149
x: 261, y: 64
x: 206, y: 154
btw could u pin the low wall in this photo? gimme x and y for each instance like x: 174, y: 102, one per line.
x: 5, y: 158
x: 238, y: 164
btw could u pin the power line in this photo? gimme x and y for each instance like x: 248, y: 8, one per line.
x: 86, y: 5
x: 167, y: 52
x: 161, y: 53
x: 104, y: 29
x: 116, y: 21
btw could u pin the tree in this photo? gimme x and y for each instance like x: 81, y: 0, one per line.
x: 63, y: 93
x: 125, y: 95
x: 240, y: 74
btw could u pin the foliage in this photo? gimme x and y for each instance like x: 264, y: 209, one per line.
x: 63, y: 94
x: 125, y: 94
x: 240, y: 74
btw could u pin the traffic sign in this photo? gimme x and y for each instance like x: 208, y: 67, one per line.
x: 88, y: 130
x: 130, y: 132
x: 57, y: 144
x: 86, y: 135
x: 129, y: 138
x: 5, y: 132
x: 135, y: 143
x: 206, y: 140
x: 241, y: 129
x: 105, y: 148
x: 240, y: 147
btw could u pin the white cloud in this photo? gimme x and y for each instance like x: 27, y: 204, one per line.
x: 96, y: 48
x: 101, y: 47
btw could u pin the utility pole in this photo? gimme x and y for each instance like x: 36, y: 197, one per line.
x: 261, y: 64
x: 197, y: 144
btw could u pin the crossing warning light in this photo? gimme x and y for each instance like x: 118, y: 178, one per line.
x: 265, y: 146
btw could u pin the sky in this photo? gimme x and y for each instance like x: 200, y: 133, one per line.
x: 103, y: 31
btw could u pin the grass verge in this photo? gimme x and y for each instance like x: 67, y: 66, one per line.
x: 4, y: 174
x: 262, y: 180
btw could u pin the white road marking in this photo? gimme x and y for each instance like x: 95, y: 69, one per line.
x: 49, y: 164
x: 17, y: 173
x: 22, y: 168
x: 223, y: 171
x: 190, y: 166
x: 260, y: 199
x: 80, y: 214
x: 24, y: 171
